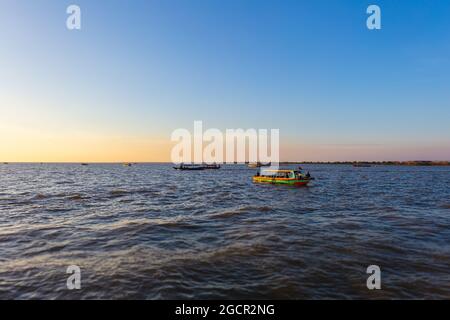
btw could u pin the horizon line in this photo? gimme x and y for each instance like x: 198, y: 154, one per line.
x: 169, y: 162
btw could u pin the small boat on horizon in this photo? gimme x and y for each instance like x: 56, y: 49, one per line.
x: 184, y: 166
x: 286, y: 177
x: 259, y: 165
x: 84, y: 164
x: 127, y: 164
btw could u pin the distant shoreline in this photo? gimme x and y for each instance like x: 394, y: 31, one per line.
x: 370, y: 163
x: 382, y: 163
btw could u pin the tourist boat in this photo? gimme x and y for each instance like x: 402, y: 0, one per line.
x: 127, y: 164
x: 287, y: 177
x: 183, y: 166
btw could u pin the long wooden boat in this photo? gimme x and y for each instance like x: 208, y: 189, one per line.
x: 191, y: 167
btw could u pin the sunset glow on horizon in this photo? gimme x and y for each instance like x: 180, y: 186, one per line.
x: 116, y: 89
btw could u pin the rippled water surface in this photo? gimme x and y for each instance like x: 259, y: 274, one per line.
x: 151, y: 232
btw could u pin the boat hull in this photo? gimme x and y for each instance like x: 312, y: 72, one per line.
x: 211, y: 167
x: 189, y: 169
x: 284, y: 181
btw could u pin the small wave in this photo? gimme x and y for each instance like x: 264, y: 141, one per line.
x: 9, y: 199
x: 145, y: 225
x: 41, y: 196
x: 64, y: 182
x: 256, y: 208
x: 126, y: 201
x: 386, y: 209
x: 146, y: 191
x: 17, y: 202
x: 75, y: 197
x: 309, y: 209
x: 242, y: 210
x: 227, y: 214
x: 121, y: 192
x: 238, y: 250
x: 58, y: 210
x: 118, y: 193
x: 200, y: 193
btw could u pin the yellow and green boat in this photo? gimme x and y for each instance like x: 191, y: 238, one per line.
x: 286, y: 177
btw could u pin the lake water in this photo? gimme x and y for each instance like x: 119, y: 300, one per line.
x: 151, y: 232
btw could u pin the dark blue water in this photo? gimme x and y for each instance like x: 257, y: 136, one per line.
x: 151, y: 232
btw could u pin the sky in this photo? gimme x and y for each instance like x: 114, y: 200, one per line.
x: 137, y: 70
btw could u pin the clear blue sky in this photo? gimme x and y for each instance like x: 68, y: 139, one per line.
x: 310, y: 68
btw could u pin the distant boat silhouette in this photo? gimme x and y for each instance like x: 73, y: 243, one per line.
x: 84, y: 164
x: 259, y: 164
x: 189, y: 167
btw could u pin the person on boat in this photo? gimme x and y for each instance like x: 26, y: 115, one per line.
x: 308, y: 175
